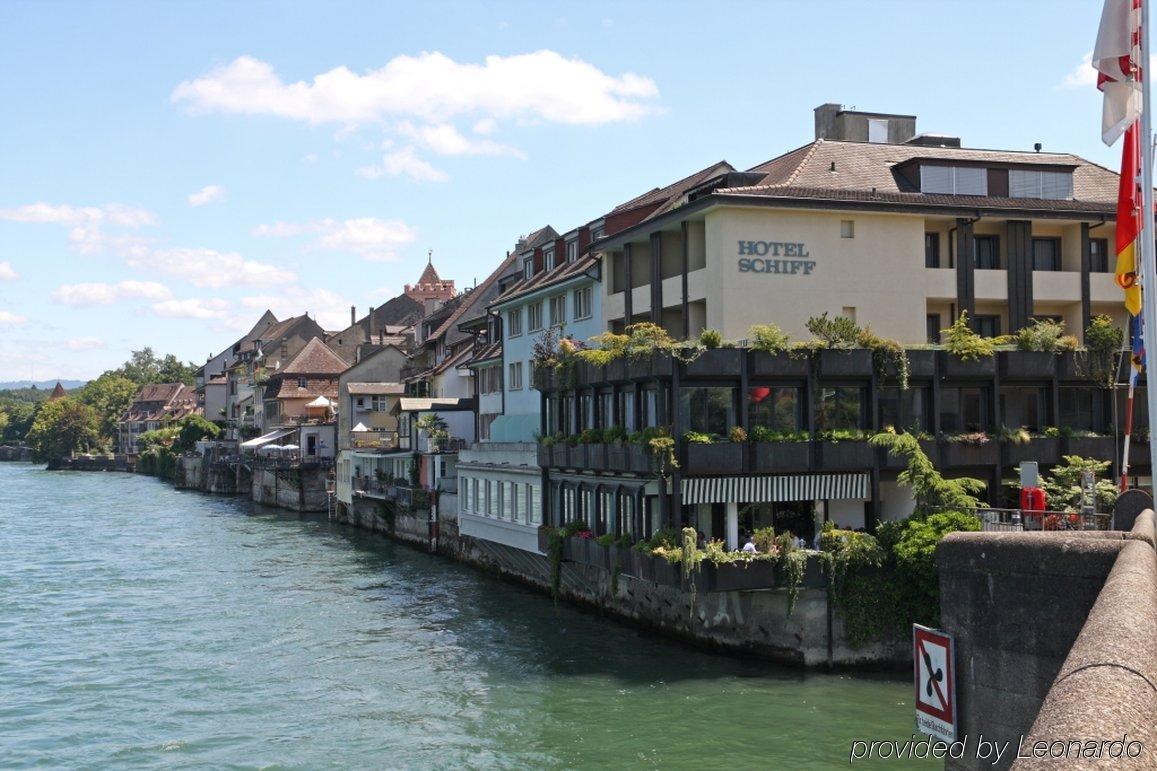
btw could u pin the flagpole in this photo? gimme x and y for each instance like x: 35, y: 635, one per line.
x: 1148, y: 262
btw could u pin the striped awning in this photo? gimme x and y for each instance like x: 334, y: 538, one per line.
x: 770, y: 489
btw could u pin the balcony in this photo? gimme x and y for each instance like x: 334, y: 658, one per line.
x: 374, y: 440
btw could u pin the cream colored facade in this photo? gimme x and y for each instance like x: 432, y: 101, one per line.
x: 872, y: 269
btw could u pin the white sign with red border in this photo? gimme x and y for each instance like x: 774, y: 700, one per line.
x: 934, y: 654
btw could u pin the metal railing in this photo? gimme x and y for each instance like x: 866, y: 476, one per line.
x: 996, y: 520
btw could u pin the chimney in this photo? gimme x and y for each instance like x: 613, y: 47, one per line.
x: 353, y: 315
x: 826, y: 120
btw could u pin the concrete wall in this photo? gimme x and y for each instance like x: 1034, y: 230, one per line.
x: 1017, y: 603
x: 293, y: 489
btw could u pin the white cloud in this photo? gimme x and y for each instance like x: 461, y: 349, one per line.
x: 368, y: 237
x: 207, y: 194
x: 65, y: 214
x: 213, y: 269
x: 330, y: 309
x: 369, y: 172
x: 88, y: 294
x: 9, y: 319
x: 485, y: 126
x: 444, y: 139
x: 404, y: 163
x: 192, y: 308
x: 84, y: 344
x: 7, y: 272
x: 431, y: 87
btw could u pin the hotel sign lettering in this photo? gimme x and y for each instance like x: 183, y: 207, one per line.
x: 774, y: 257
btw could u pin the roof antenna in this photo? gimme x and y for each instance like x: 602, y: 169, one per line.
x: 1037, y: 147
x: 430, y: 257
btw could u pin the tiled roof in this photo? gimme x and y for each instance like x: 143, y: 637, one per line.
x: 661, y: 195
x: 547, y: 278
x: 540, y: 237
x: 492, y: 351
x: 472, y: 300
x: 375, y: 389
x: 162, y: 401
x: 429, y: 275
x: 315, y: 359
x: 863, y: 166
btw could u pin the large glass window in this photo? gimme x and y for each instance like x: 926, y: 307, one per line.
x: 707, y: 410
x: 1099, y: 255
x: 987, y: 250
x: 1046, y: 254
x: 1084, y: 409
x: 606, y: 409
x: 534, y: 316
x: 1024, y: 407
x: 963, y: 409
x: 779, y: 408
x: 627, y: 408
x: 931, y: 250
x: 841, y: 407
x: 905, y: 409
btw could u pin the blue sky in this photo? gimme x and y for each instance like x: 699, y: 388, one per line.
x: 169, y: 169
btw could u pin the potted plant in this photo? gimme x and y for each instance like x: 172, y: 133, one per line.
x: 1088, y: 444
x: 770, y: 353
x: 921, y: 364
x: 856, y: 362
x: 707, y: 454
x: 845, y: 449
x: 780, y: 451
x: 1020, y: 446
x: 969, y: 449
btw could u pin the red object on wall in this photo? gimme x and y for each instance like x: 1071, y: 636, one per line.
x: 759, y: 393
x: 1032, y: 499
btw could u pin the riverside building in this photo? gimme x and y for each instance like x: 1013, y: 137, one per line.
x: 899, y: 231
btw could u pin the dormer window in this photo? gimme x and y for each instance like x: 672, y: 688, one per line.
x: 878, y: 130
x: 528, y: 267
x: 953, y: 180
x: 571, y: 251
x: 548, y: 258
x: 1034, y: 183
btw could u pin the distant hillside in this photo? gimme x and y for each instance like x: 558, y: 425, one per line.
x: 43, y: 384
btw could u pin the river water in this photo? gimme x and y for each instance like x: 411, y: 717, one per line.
x: 145, y: 627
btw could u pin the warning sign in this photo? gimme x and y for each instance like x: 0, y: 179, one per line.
x: 933, y: 653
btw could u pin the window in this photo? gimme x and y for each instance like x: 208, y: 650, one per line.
x: 627, y: 408
x: 953, y: 180
x: 847, y: 229
x: 1046, y: 254
x: 877, y: 130
x: 931, y: 250
x: 963, y: 409
x: 707, y: 410
x: 514, y: 322
x: 380, y: 403
x: 1024, y: 407
x: 1083, y: 409
x: 571, y: 251
x: 1099, y: 256
x: 558, y: 309
x: 606, y: 406
x: 1031, y: 183
x: 361, y: 402
x: 849, y: 312
x: 474, y: 496
x: 905, y: 409
x: 987, y: 325
x: 534, y: 316
x: 515, y: 376
x: 582, y: 303
x: 841, y: 407
x: 528, y: 267
x: 986, y: 250
x: 933, y: 324
x: 586, y: 406
x: 465, y: 484
x: 513, y: 498
x: 302, y: 383
x: 779, y: 408
x: 548, y: 258
x: 489, y: 501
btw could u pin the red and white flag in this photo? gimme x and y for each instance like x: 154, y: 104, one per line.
x: 1117, y: 60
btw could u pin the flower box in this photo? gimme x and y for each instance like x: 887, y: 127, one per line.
x: 560, y: 455
x: 618, y: 456
x: 1073, y: 367
x: 921, y: 364
x: 849, y: 454
x: 544, y: 378
x: 778, y: 457
x: 642, y: 459
x: 1139, y: 454
x: 1105, y: 448
x: 544, y: 539
x: 578, y: 456
x: 646, y: 367
x: 616, y: 370
x: 1044, y: 450
x: 779, y: 365
x: 596, y: 457
x: 968, y: 454
x: 589, y: 373
x: 666, y: 573
x: 544, y: 455
x: 955, y: 368
x: 1027, y: 365
x: 715, y: 362
x: 642, y: 565
x: 854, y: 363
x: 738, y: 576
x: 717, y: 458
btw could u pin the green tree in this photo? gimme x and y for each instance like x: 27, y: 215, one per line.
x: 931, y: 491
x: 108, y: 396
x: 19, y: 417
x: 63, y: 426
x: 145, y: 366
x: 3, y: 422
x: 192, y: 429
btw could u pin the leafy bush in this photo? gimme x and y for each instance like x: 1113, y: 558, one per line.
x: 964, y: 344
x: 840, y: 333
x: 614, y: 434
x: 764, y: 539
x: 765, y: 434
x: 1045, y: 335
x: 886, y: 352
x: 710, y: 338
x: 697, y: 437
x: 1012, y: 435
x: 737, y: 434
x: 768, y: 338
x: 915, y: 560
x: 1103, y: 341
x: 1062, y: 485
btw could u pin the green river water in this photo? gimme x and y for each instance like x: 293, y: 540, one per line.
x: 144, y: 627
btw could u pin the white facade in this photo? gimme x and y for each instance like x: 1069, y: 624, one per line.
x: 500, y: 494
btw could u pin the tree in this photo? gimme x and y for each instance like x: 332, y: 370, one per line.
x: 931, y: 491
x: 3, y: 422
x: 192, y: 429
x: 145, y: 367
x: 108, y: 396
x: 19, y: 416
x: 173, y: 370
x: 61, y: 427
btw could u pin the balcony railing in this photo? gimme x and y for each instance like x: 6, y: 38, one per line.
x: 374, y: 440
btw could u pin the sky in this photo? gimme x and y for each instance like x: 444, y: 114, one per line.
x: 170, y: 170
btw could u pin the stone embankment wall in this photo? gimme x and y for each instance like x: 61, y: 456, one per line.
x: 1044, y: 623
x: 91, y: 463
x: 296, y: 489
x: 15, y: 454
x: 751, y: 622
x: 196, y: 472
